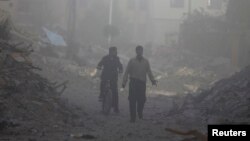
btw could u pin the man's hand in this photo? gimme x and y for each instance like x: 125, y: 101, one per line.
x: 154, y: 82
x: 122, y: 89
x: 93, y: 73
x: 99, y: 67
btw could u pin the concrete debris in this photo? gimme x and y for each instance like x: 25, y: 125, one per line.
x: 26, y: 98
x: 184, y: 80
x: 17, y: 70
x: 185, y: 71
x: 228, y: 99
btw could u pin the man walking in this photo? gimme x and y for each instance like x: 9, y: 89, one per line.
x: 110, y: 66
x: 137, y: 70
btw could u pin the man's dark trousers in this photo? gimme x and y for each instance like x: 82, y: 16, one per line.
x: 137, y: 97
x: 113, y: 86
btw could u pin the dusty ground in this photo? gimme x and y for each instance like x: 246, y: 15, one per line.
x: 117, y: 126
x: 160, y: 112
x: 83, y: 91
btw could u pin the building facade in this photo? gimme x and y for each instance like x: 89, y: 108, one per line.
x: 158, y: 21
x: 144, y: 21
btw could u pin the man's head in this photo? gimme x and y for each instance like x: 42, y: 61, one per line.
x: 113, y: 51
x: 139, y: 51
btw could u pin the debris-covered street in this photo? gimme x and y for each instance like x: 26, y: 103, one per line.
x: 50, y: 80
x: 36, y: 107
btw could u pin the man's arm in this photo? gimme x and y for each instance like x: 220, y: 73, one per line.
x: 150, y: 74
x: 120, y: 67
x: 125, y: 77
x: 100, y: 64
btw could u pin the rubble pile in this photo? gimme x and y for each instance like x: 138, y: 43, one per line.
x: 26, y: 98
x: 186, y: 80
x: 228, y: 99
x: 184, y: 72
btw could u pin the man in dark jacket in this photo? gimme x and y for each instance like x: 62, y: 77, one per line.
x: 110, y: 66
x: 137, y: 70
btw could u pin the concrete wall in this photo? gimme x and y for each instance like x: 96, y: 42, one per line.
x: 160, y: 20
x: 153, y: 24
x: 139, y: 20
x: 167, y: 19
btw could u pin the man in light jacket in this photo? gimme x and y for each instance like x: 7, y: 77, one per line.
x: 137, y: 70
